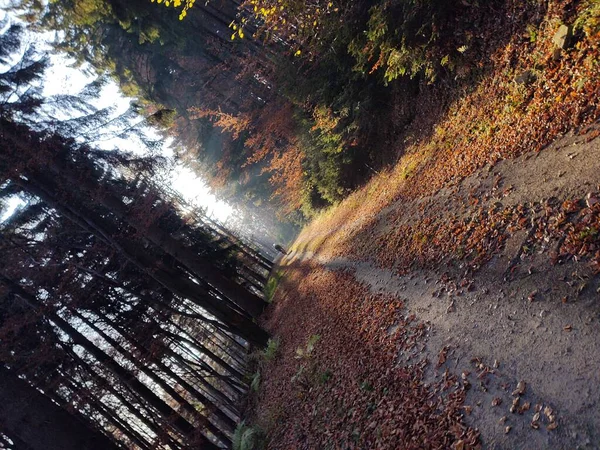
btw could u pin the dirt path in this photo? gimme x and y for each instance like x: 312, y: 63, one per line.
x: 508, y: 315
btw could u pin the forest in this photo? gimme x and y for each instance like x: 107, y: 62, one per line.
x: 127, y: 313
x: 283, y: 105
x: 369, y: 140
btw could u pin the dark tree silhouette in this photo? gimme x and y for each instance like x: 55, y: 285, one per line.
x: 114, y: 305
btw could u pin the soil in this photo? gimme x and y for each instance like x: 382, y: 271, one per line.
x: 520, y: 326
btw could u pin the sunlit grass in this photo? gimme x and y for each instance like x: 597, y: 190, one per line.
x: 270, y: 352
x: 271, y: 286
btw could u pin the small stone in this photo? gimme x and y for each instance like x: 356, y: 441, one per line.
x: 507, y: 429
x: 563, y: 37
x: 526, y: 77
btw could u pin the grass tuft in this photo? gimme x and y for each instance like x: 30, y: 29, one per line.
x: 271, y: 286
x: 255, y: 383
x: 270, y: 352
x: 247, y: 438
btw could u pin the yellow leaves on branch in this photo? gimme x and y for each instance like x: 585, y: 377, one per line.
x: 227, y: 122
x: 187, y: 4
x: 238, y: 28
x: 287, y: 177
x: 297, y: 22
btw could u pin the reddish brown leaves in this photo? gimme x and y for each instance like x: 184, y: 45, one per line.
x: 370, y: 400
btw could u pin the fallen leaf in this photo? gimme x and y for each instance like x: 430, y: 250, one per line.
x: 442, y: 356
x: 514, y: 405
x: 524, y: 407
x: 521, y: 385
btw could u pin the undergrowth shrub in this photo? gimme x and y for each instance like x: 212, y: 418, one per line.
x: 270, y: 352
x: 255, y: 383
x: 271, y: 286
x: 247, y: 437
x: 588, y: 20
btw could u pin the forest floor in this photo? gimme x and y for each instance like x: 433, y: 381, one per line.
x: 453, y: 301
x: 446, y: 351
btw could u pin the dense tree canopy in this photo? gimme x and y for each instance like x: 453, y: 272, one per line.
x: 120, y: 304
x: 279, y: 103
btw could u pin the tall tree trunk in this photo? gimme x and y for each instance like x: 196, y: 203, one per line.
x: 16, y: 444
x: 184, y: 403
x: 119, y: 425
x: 34, y: 419
x: 203, y: 269
x: 210, y: 389
x: 168, y: 277
x: 143, y: 349
x: 232, y: 352
x: 119, y: 371
x: 103, y: 383
x: 260, y: 278
x: 237, y: 388
x: 202, y: 349
x: 123, y: 426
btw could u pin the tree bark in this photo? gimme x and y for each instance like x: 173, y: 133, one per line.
x: 168, y: 277
x: 35, y: 420
x: 179, y: 422
x: 170, y: 390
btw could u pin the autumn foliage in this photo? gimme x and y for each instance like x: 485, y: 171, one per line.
x: 350, y: 390
x: 269, y: 141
